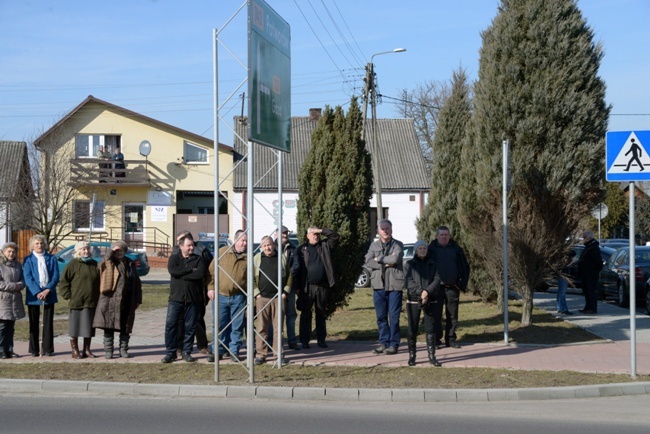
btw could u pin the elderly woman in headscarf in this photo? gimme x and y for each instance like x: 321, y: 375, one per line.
x: 80, y: 286
x: 41, y: 277
x: 11, y: 301
x: 120, y: 295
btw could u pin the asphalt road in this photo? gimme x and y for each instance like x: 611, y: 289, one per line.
x: 110, y: 414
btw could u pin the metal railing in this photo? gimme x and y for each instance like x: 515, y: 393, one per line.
x: 89, y: 171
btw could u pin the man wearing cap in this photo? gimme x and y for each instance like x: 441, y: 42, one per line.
x: 454, y: 270
x: 384, y: 258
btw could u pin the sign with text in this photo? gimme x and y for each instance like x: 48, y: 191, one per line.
x: 269, y: 77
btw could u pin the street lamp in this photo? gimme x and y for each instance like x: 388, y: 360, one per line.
x: 370, y: 92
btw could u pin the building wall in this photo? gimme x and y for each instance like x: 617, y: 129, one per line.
x: 402, y: 211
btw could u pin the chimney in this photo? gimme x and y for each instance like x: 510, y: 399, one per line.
x: 314, y: 114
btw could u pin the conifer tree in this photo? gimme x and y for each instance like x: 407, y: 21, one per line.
x: 538, y: 88
x: 453, y: 118
x: 335, y: 184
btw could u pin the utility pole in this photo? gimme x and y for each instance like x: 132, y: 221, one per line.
x: 370, y: 94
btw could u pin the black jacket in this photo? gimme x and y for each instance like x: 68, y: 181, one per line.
x: 186, y: 278
x: 462, y: 266
x: 420, y: 275
x: 590, y: 262
x: 324, y: 248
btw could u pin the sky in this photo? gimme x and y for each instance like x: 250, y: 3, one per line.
x: 155, y: 57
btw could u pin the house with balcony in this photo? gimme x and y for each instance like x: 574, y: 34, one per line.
x: 133, y: 177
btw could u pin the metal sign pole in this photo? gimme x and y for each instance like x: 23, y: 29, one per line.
x: 250, y: 332
x: 278, y: 326
x: 505, y: 187
x: 632, y: 275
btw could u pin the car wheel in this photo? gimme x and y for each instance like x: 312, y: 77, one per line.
x: 622, y: 299
x: 364, y: 279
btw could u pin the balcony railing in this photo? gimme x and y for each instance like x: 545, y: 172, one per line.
x: 89, y: 171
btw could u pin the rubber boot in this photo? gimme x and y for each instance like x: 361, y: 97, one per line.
x: 86, y: 350
x: 431, y: 349
x: 412, y: 350
x: 124, y: 346
x: 108, y: 345
x: 74, y: 344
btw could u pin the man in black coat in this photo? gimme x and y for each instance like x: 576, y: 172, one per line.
x: 186, y: 295
x: 589, y: 265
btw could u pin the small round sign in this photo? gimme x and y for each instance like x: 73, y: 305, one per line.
x: 600, y: 211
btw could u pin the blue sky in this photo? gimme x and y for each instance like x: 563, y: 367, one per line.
x: 155, y: 56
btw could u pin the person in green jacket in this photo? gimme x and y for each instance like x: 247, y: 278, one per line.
x: 79, y: 285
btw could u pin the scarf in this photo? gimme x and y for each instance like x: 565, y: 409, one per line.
x: 43, y: 276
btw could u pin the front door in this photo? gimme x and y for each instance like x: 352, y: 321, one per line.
x: 134, y: 225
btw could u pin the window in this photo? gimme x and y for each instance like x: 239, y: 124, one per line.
x: 87, y: 145
x: 81, y: 217
x: 194, y: 154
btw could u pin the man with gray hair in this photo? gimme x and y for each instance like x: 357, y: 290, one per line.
x: 589, y: 266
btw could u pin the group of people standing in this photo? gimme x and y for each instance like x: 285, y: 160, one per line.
x: 433, y: 280
x: 103, y: 296
x: 304, y: 275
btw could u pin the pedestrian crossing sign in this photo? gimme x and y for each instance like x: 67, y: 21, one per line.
x: 627, y: 156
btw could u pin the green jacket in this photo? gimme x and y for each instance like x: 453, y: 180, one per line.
x: 79, y: 284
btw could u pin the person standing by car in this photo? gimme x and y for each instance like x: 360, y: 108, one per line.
x: 454, y: 275
x: 589, y: 266
x: 563, y: 284
x: 384, y: 258
x: 80, y: 286
x: 423, y: 285
x: 41, y: 277
x: 11, y: 302
x: 120, y: 295
x: 314, y: 272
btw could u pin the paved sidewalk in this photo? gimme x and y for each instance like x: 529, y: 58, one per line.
x: 609, y: 356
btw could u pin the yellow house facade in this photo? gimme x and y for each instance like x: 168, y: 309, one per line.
x: 132, y: 177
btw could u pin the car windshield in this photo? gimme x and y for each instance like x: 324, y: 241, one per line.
x: 96, y: 252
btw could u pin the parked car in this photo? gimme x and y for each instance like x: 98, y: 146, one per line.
x: 364, y: 278
x: 98, y: 253
x: 206, y: 239
x: 615, y: 276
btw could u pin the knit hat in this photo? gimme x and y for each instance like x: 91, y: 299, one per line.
x: 80, y: 245
x: 119, y: 244
x: 419, y: 243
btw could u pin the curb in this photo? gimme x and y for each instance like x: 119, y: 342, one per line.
x: 57, y: 387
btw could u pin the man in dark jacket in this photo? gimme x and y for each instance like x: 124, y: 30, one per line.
x: 454, y: 275
x: 589, y: 266
x: 186, y: 294
x: 315, y: 276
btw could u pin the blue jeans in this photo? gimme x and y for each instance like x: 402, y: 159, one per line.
x: 174, y: 311
x: 388, y: 307
x: 232, y: 312
x: 562, y: 285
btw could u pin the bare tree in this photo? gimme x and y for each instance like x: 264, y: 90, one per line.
x: 422, y: 105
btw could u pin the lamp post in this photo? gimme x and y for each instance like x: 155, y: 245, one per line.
x: 370, y: 93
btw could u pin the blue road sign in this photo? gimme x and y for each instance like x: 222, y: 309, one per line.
x: 627, y: 157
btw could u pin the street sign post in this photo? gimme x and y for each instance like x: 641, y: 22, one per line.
x: 269, y: 77
x: 599, y: 213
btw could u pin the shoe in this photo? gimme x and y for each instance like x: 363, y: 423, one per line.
x: 322, y: 344
x: 169, y: 357
x: 306, y: 346
x: 50, y: 354
x: 589, y: 312
x: 294, y: 346
x: 35, y: 354
x: 582, y: 310
x: 284, y: 361
x: 5, y: 355
x: 390, y: 350
x: 14, y: 355
x: 435, y: 362
x: 205, y: 351
x: 234, y: 358
x: 454, y: 344
x: 210, y: 358
x: 565, y: 312
x: 380, y: 349
x: 260, y: 360
x: 188, y: 358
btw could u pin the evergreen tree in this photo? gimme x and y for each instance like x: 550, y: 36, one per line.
x: 617, y: 210
x: 335, y: 184
x: 538, y: 88
x: 453, y: 118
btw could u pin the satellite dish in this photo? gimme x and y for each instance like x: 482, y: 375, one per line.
x: 145, y: 148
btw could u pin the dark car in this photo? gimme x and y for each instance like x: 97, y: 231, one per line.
x: 615, y: 275
x: 364, y: 278
x: 98, y: 250
x: 206, y: 239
